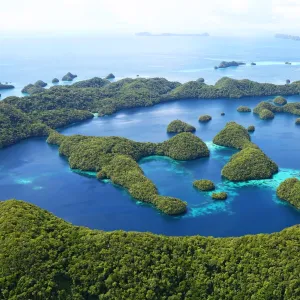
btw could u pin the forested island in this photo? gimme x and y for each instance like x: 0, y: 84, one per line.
x: 115, y: 158
x: 44, y: 257
x: 63, y: 105
x: 227, y: 64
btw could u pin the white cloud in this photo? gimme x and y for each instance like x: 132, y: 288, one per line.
x: 216, y: 16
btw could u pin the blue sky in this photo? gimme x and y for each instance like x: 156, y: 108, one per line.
x: 219, y: 17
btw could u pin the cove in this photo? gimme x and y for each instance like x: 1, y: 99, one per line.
x: 33, y: 171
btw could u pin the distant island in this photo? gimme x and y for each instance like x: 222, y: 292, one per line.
x: 227, y: 64
x: 6, y: 86
x: 171, y: 34
x: 287, y: 37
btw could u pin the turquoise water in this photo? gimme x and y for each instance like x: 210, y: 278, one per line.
x: 33, y: 170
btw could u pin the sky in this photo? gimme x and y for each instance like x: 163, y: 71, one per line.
x: 219, y: 17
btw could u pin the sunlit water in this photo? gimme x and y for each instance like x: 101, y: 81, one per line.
x: 33, y: 171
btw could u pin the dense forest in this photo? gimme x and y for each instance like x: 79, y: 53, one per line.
x: 44, y: 257
x: 62, y: 105
x: 115, y: 158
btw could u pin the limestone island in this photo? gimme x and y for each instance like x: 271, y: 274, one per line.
x: 6, y: 86
x: 297, y: 122
x: 204, y: 185
x: 248, y: 164
x: 200, y: 80
x: 251, y: 128
x: 178, y: 126
x: 219, y: 196
x: 289, y: 190
x: 204, y: 118
x: 280, y: 100
x: 110, y: 76
x: 244, y: 109
x: 40, y: 83
x: 55, y: 80
x: 32, y: 89
x: 116, y: 158
x: 69, y: 77
x: 227, y: 64
x: 253, y: 64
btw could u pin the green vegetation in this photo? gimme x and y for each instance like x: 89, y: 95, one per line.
x: 40, y: 83
x: 16, y: 126
x: 100, y: 96
x: 244, y: 109
x: 219, y: 196
x: 69, y: 77
x: 110, y: 76
x: 204, y: 118
x: 44, y: 257
x: 250, y: 162
x: 115, y: 158
x: 289, y: 190
x: 266, y: 114
x: 297, y: 122
x: 178, y: 126
x: 280, y: 100
x: 95, y: 82
x: 204, y: 185
x: 32, y: 89
x: 292, y: 108
x: 55, y: 80
x: 201, y: 80
x: 251, y: 128
x: 233, y: 136
x: 227, y: 64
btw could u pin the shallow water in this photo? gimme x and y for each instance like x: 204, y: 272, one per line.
x: 33, y: 171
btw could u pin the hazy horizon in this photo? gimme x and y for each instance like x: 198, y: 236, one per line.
x: 218, y: 18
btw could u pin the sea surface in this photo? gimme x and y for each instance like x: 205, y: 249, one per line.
x: 33, y: 171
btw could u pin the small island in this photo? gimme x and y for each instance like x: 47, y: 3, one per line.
x: 289, y: 190
x: 280, y: 100
x: 248, y: 164
x: 178, y: 126
x: 251, y: 128
x: 55, y: 80
x: 244, y: 109
x: 297, y: 122
x: 110, y: 76
x: 227, y: 64
x: 287, y: 37
x: 219, y: 196
x: 32, y: 89
x: 266, y: 114
x: 253, y: 64
x: 204, y: 185
x: 6, y: 86
x: 40, y: 83
x: 204, y: 118
x: 200, y: 80
x: 69, y: 77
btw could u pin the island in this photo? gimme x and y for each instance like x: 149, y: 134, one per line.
x: 297, y: 122
x: 110, y: 76
x: 253, y: 64
x: 251, y: 128
x: 69, y: 77
x: 227, y: 64
x: 289, y: 190
x: 219, y: 196
x: 204, y: 185
x: 248, y: 164
x: 205, y: 34
x: 55, y: 80
x: 40, y: 83
x: 115, y: 158
x: 280, y: 100
x: 244, y: 109
x: 178, y: 126
x: 204, y: 118
x: 287, y: 37
x: 57, y: 259
x: 32, y: 89
x: 6, y: 86
x: 61, y: 105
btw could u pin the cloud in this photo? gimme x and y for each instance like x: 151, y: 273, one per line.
x: 216, y: 16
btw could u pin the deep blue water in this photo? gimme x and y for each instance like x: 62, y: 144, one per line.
x: 33, y: 171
